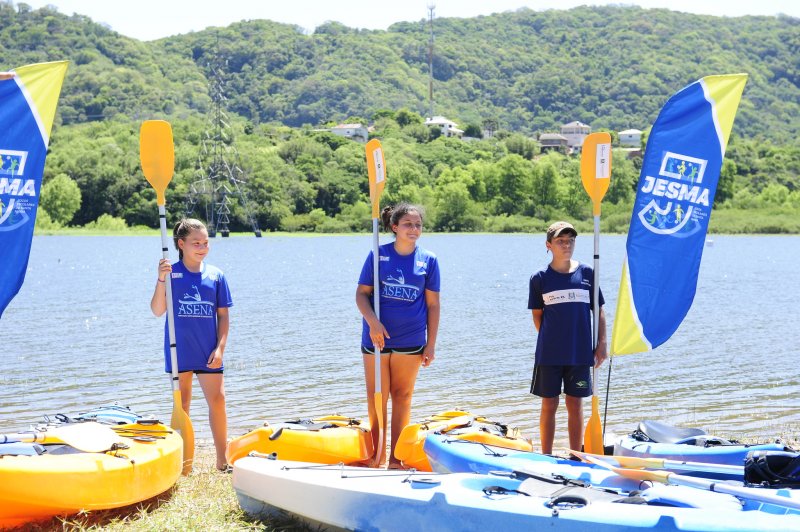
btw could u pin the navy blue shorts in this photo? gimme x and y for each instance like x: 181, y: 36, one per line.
x: 546, y: 381
x: 414, y: 350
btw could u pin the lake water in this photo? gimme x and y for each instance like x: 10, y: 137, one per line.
x: 80, y: 334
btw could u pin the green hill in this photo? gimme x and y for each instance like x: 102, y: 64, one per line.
x: 526, y: 71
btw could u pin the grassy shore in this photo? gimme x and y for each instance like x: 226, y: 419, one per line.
x: 204, y: 500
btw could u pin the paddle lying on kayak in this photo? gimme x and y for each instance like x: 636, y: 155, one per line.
x: 595, y: 175
x: 88, y: 437
x: 157, y: 154
x: 661, y: 463
x: 666, y: 477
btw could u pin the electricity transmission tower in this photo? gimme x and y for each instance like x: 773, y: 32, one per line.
x: 431, y: 8
x: 219, y: 175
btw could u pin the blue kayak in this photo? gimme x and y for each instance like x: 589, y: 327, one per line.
x: 657, y: 440
x: 449, y: 455
x: 352, y: 498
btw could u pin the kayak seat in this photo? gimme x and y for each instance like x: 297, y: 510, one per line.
x: 656, y: 432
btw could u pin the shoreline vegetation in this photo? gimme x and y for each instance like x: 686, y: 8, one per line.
x: 205, y: 500
x: 723, y: 222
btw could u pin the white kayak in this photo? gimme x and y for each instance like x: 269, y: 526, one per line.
x: 353, y: 498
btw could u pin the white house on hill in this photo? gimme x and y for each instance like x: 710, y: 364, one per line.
x: 630, y: 137
x: 351, y: 131
x: 575, y: 132
x: 448, y: 127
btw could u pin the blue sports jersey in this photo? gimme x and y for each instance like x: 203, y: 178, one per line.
x: 195, y: 300
x: 566, y: 299
x: 403, y: 281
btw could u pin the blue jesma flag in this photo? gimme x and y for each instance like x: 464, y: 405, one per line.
x: 27, y: 107
x: 671, y: 212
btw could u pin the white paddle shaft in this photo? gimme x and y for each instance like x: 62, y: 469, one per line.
x: 173, y: 351
x: 376, y: 296
x: 596, y: 297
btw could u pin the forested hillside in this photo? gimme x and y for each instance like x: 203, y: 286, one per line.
x: 525, y: 72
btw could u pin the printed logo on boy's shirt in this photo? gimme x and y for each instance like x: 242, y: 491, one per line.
x: 566, y: 296
x: 395, y: 287
x: 177, y: 275
x: 383, y: 258
x: 193, y: 306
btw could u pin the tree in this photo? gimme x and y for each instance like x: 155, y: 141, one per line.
x: 61, y: 198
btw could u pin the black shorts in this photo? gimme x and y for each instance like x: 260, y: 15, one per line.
x: 415, y: 350
x: 546, y: 381
x: 201, y: 371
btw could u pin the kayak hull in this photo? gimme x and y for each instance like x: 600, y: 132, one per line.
x: 65, y: 481
x: 334, y: 439
x: 458, y: 425
x: 715, y: 454
x: 448, y: 455
x: 348, y: 498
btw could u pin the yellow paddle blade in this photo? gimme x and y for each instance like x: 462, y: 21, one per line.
x: 593, y: 438
x: 376, y: 168
x: 596, y: 167
x: 636, y: 474
x: 180, y: 421
x: 157, y: 155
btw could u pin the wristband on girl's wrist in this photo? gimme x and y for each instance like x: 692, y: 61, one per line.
x: 161, y: 280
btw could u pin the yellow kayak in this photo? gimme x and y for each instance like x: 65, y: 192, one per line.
x: 458, y: 425
x: 324, y: 440
x: 102, y: 467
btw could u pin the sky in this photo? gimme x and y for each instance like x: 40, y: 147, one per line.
x: 153, y: 19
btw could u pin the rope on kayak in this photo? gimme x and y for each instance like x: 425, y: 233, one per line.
x: 489, y: 450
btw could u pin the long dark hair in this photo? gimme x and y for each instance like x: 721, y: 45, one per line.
x: 390, y: 216
x: 182, y: 230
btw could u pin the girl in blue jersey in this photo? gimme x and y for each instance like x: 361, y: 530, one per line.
x: 406, y: 333
x: 560, y: 297
x: 200, y: 301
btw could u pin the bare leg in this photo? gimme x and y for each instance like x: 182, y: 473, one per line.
x: 213, y: 385
x: 369, y: 377
x: 547, y: 423
x: 404, y: 369
x: 185, y: 383
x: 574, y: 421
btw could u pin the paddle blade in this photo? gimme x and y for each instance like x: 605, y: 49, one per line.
x: 376, y: 168
x: 596, y: 167
x: 157, y: 155
x: 593, y: 438
x: 180, y: 422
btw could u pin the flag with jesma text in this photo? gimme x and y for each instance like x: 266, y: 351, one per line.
x: 27, y: 107
x: 675, y: 193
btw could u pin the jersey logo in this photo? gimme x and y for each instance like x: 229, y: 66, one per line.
x: 566, y: 296
x: 192, y: 305
x: 395, y: 287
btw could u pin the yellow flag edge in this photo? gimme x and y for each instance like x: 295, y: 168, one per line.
x: 41, y: 85
x: 724, y: 92
x: 627, y: 336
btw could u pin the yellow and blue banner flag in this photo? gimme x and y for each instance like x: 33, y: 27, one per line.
x: 675, y: 193
x: 27, y: 107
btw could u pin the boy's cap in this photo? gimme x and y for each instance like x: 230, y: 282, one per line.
x: 559, y: 228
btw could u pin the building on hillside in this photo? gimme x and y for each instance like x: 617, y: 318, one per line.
x: 448, y: 127
x: 575, y: 132
x: 631, y: 138
x: 553, y: 141
x: 356, y: 132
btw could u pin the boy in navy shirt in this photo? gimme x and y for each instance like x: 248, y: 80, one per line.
x: 560, y: 297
